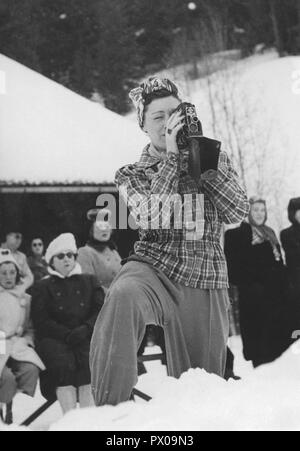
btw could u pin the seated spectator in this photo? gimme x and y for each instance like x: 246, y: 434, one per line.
x: 100, y: 256
x: 19, y: 363
x: 65, y: 308
x: 36, y: 261
x: 13, y: 242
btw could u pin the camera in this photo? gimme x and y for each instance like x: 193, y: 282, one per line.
x: 192, y: 126
x: 203, y: 152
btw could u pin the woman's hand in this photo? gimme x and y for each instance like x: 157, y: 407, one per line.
x: 174, y: 124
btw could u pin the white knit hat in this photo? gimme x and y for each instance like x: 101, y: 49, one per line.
x: 64, y: 242
x: 7, y: 257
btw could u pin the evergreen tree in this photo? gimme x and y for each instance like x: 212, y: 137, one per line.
x: 20, y: 31
x: 105, y: 46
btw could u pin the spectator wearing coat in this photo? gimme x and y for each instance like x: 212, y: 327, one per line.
x: 65, y: 308
x: 19, y: 363
x: 13, y: 243
x: 290, y: 239
x: 100, y: 256
x: 36, y: 261
x: 256, y: 267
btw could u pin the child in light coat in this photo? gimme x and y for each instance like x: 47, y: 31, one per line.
x: 19, y: 363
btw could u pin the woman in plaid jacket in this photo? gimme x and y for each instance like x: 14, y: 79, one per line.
x: 177, y: 277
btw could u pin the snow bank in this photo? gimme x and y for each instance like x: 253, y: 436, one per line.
x: 267, y: 399
x: 50, y: 134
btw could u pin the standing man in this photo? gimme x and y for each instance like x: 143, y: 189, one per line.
x: 177, y: 277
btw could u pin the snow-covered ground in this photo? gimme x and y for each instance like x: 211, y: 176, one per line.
x: 267, y: 398
x: 148, y: 383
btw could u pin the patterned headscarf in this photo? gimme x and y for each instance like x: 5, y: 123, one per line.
x: 262, y: 233
x: 153, y: 84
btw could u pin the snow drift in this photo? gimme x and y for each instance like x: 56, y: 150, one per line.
x: 50, y: 134
x: 266, y: 399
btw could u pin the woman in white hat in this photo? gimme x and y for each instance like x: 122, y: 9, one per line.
x: 65, y: 308
x: 19, y: 363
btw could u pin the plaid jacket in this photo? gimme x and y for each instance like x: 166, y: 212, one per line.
x: 190, y: 256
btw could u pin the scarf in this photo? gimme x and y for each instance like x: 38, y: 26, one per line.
x: 100, y: 247
x: 262, y: 234
x: 153, y: 84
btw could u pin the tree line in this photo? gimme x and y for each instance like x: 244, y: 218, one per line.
x: 99, y: 48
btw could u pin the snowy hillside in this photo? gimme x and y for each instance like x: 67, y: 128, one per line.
x: 50, y: 134
x: 254, y: 106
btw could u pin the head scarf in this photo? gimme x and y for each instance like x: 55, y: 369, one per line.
x: 97, y: 216
x: 153, y: 84
x: 263, y: 233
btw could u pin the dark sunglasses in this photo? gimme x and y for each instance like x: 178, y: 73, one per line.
x: 37, y: 244
x: 61, y: 256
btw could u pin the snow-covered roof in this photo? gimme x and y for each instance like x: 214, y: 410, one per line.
x: 49, y: 134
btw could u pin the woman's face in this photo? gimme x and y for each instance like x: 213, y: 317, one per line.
x: 8, y: 276
x: 157, y: 115
x: 64, y: 262
x: 14, y: 241
x: 37, y: 247
x: 297, y: 216
x: 102, y: 231
x: 258, y: 213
